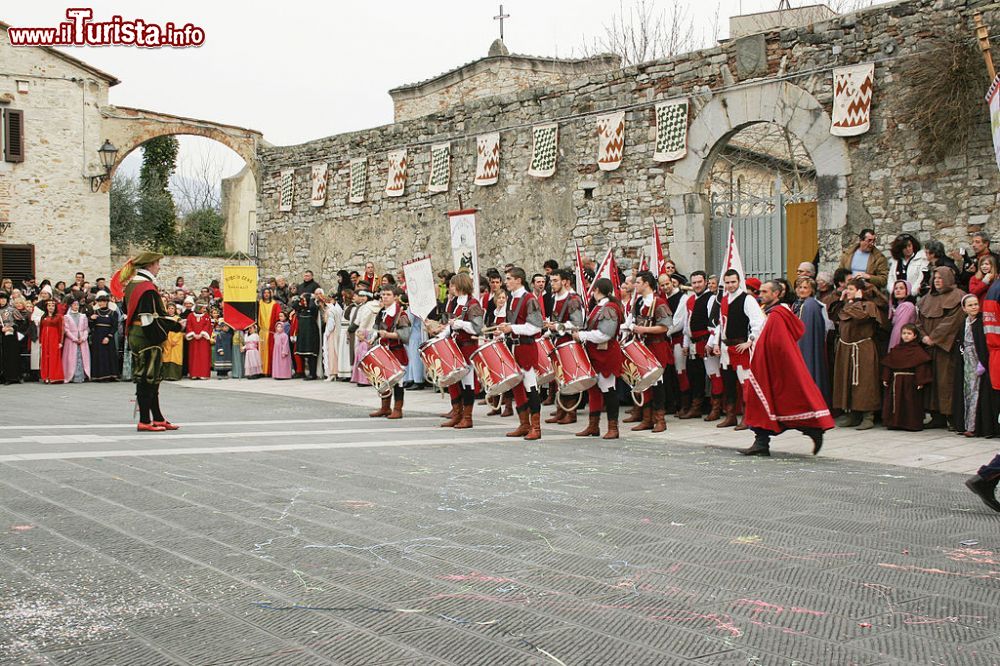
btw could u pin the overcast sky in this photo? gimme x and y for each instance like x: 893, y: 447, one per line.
x: 299, y: 70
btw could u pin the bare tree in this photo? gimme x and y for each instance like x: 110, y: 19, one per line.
x: 198, y: 188
x: 642, y: 32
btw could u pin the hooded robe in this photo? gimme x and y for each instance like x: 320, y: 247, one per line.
x: 941, y: 318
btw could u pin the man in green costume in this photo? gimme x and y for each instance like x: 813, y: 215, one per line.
x: 147, y: 326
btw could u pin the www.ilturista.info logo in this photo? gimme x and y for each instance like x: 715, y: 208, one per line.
x: 80, y: 30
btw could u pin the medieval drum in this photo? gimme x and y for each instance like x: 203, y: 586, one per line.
x: 640, y: 369
x: 574, y: 374
x: 382, y: 369
x: 443, y: 361
x: 546, y: 372
x: 496, y: 368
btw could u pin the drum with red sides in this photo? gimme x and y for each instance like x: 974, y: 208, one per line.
x: 546, y: 372
x: 496, y: 367
x: 640, y: 369
x: 382, y: 369
x: 574, y: 374
x: 443, y: 362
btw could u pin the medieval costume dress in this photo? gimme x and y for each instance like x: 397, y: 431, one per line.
x: 50, y: 335
x: 222, y: 350
x: 812, y: 344
x: 975, y: 405
x: 267, y: 316
x: 856, y: 369
x: 415, y: 370
x: 941, y: 319
x: 333, y: 315
x: 307, y: 337
x: 173, y: 353
x: 906, y: 371
x: 237, y: 354
x: 104, y: 351
x: 782, y: 394
x: 281, y: 357
x: 252, y: 364
x: 10, y: 348
x: 365, y: 323
x: 198, y: 333
x: 901, y: 313
x: 76, y: 348
x: 345, y: 357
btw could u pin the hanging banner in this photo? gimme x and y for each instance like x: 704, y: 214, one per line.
x: 395, y: 182
x: 319, y: 173
x: 658, y: 260
x: 286, y: 190
x: 487, y: 158
x: 733, y: 260
x: 611, y: 134
x: 420, y: 289
x: 544, y: 149
x: 359, y: 180
x: 239, y: 296
x: 608, y: 269
x: 993, y: 99
x: 852, y: 99
x: 671, y: 131
x: 440, y: 168
x: 464, y: 247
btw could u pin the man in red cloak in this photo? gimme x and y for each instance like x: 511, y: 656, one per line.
x: 780, y: 393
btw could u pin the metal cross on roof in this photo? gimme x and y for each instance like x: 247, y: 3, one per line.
x: 500, y: 17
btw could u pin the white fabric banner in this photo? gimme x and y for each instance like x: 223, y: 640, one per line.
x: 544, y: 150
x: 671, y: 131
x: 993, y: 99
x: 440, y: 168
x: 359, y: 180
x: 852, y: 99
x: 420, y: 290
x: 395, y: 182
x: 286, y: 190
x: 319, y: 174
x: 464, y: 246
x: 487, y: 158
x: 611, y: 133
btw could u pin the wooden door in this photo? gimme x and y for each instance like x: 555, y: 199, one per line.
x: 801, y: 235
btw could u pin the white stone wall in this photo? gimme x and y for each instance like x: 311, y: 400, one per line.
x: 46, y: 198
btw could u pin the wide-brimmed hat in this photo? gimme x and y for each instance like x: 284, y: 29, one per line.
x: 146, y: 258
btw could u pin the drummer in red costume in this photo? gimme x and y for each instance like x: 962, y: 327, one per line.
x: 523, y: 326
x: 567, y: 315
x: 782, y: 393
x: 601, y: 338
x: 740, y: 323
x: 392, y: 330
x: 650, y: 321
x: 465, y: 325
x: 700, y: 364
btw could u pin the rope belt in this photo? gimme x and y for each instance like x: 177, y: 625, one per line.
x: 855, y: 369
x: 895, y: 393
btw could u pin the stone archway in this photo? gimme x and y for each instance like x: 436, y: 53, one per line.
x: 725, y: 114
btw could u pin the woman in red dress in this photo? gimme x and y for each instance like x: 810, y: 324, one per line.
x: 198, y: 331
x: 50, y: 337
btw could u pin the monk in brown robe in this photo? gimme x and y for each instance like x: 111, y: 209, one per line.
x: 940, y: 318
x: 856, y: 382
x: 906, y: 371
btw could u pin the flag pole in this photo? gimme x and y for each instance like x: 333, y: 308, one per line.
x: 983, y: 35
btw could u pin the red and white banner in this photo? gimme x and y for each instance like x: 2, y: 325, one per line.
x: 993, y: 99
x: 732, y: 259
x: 611, y: 130
x: 395, y: 182
x: 852, y: 99
x: 464, y: 246
x: 608, y: 269
x: 581, y: 280
x: 657, y: 259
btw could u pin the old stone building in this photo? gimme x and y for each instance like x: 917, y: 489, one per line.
x: 54, y: 206
x: 780, y: 75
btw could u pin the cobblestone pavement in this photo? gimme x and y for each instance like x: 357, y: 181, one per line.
x: 277, y: 531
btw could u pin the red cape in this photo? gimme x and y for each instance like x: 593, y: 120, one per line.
x: 781, y: 394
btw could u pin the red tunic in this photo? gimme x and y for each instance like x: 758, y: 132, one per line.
x: 467, y: 344
x: 50, y: 337
x: 524, y: 347
x: 561, y: 312
x: 657, y: 343
x: 389, y: 324
x: 781, y: 392
x: 606, y: 357
x: 199, y: 349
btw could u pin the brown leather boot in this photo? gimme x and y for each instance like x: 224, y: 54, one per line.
x: 382, y: 411
x: 453, y: 412
x: 647, y: 420
x: 612, y: 432
x: 741, y: 425
x: 634, y: 415
x: 568, y: 417
x: 535, y: 430
x: 593, y: 428
x: 454, y: 417
x: 508, y: 409
x: 685, y: 403
x: 466, y: 420
x: 716, y: 412
x: 397, y: 410
x: 556, y: 416
x: 730, y: 419
x: 524, y: 426
x: 659, y: 420
x: 694, y: 411
x: 550, y: 396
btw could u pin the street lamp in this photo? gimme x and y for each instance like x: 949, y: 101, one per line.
x: 108, y: 153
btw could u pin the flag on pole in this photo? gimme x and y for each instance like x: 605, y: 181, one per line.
x: 993, y: 100
x: 732, y: 259
x: 581, y: 280
x: 643, y: 262
x: 657, y: 259
x: 607, y: 269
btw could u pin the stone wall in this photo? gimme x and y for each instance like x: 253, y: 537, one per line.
x: 784, y: 76
x: 197, y: 272
x: 46, y: 198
